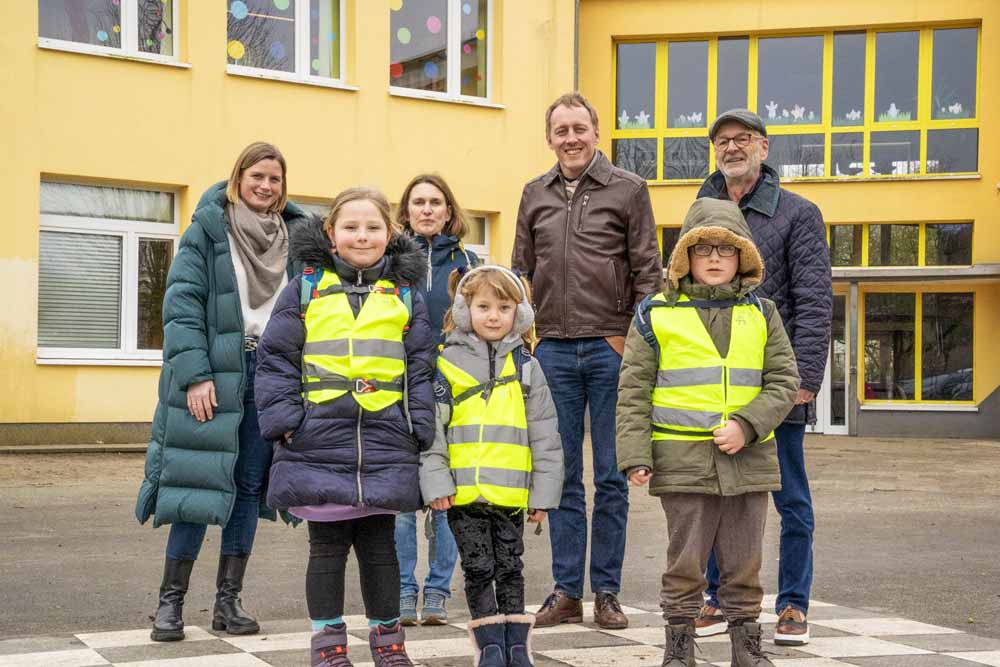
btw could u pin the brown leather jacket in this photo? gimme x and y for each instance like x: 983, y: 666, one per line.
x: 591, y: 260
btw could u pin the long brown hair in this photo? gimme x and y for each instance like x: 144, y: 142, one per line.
x: 251, y: 155
x: 366, y: 194
x: 458, y: 226
x: 488, y: 278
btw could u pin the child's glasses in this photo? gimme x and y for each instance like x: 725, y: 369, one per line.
x: 705, y: 250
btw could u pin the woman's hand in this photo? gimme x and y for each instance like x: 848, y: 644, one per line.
x: 201, y: 400
x: 536, y: 516
x: 443, y: 503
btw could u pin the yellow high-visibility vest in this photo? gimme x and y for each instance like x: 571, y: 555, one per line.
x: 362, y: 356
x: 488, y: 435
x: 697, y: 389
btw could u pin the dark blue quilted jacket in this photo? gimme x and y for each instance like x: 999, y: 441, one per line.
x: 790, y: 234
x: 442, y: 255
x: 339, y: 453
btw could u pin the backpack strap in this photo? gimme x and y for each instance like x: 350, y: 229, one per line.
x: 522, y: 366
x: 308, y: 289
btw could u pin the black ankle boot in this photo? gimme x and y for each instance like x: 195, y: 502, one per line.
x: 168, y: 624
x: 229, y: 614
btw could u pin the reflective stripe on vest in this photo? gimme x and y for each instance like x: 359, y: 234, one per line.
x: 696, y: 389
x: 488, y: 443
x: 362, y: 356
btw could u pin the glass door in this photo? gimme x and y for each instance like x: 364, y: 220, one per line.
x: 832, y: 400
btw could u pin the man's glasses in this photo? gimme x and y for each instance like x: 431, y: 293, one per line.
x: 741, y: 140
x: 705, y: 250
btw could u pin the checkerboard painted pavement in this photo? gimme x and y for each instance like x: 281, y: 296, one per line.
x: 840, y: 637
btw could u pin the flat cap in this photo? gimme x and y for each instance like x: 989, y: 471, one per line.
x: 741, y: 116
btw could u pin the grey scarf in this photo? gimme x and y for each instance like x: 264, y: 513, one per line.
x: 262, y: 244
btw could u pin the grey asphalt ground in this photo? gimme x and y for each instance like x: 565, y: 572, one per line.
x: 904, y: 528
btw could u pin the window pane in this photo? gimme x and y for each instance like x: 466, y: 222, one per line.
x: 847, y: 154
x: 950, y: 151
x: 261, y: 33
x: 324, y: 38
x: 418, y: 51
x: 893, y: 245
x: 154, y: 262
x: 731, y: 92
x: 636, y: 155
x: 156, y: 27
x: 895, y: 153
x: 79, y: 290
x: 635, y: 84
x: 946, y: 363
x: 671, y: 235
x: 687, y: 84
x: 685, y: 157
x: 96, y: 22
x: 845, y: 245
x: 849, y: 78
x: 889, y: 353
x: 790, y: 80
x: 477, y: 231
x: 475, y: 32
x: 896, y: 55
x: 838, y: 362
x: 90, y: 201
x: 954, y: 86
x: 318, y: 210
x: 796, y: 155
x: 948, y: 245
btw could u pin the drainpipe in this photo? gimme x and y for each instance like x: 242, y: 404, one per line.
x: 576, y: 45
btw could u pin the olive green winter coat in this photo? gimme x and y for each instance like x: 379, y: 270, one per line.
x: 700, y: 466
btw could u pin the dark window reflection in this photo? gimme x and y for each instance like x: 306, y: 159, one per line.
x: 154, y: 262
x: 838, y: 362
x: 951, y: 151
x: 954, y: 86
x: 946, y: 345
x: 845, y: 245
x: 670, y: 237
x: 636, y: 155
x: 893, y: 245
x: 847, y: 154
x: 790, y: 80
x: 948, y: 245
x: 685, y: 157
x: 889, y: 346
x: 896, y: 57
x: 849, y: 78
x: 96, y: 22
x: 895, y: 153
x: 261, y: 35
x: 687, y: 84
x: 731, y: 92
x: 636, y: 84
x: 796, y: 155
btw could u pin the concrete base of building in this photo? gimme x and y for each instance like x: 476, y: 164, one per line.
x: 95, y: 433
x: 900, y: 422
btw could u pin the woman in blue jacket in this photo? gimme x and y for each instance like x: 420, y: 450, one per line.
x: 429, y: 213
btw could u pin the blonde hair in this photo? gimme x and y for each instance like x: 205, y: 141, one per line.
x: 251, y: 155
x: 457, y: 226
x: 495, y: 280
x: 362, y: 194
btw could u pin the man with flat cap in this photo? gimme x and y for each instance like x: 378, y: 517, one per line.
x: 789, y: 231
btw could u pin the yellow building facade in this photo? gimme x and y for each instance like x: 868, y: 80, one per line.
x: 883, y: 114
x: 120, y: 113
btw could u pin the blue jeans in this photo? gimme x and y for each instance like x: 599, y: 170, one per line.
x: 252, y: 464
x: 582, y: 372
x: 794, y: 504
x: 442, y: 558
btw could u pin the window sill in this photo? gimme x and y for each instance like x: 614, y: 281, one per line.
x: 90, y: 50
x: 441, y: 97
x: 99, y: 361
x: 839, y: 179
x: 285, y: 77
x: 918, y: 407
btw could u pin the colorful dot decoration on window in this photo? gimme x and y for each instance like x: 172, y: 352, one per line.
x: 466, y: 8
x: 235, y: 49
x: 395, y: 5
x: 102, y: 36
x: 239, y: 10
x: 403, y: 35
x: 480, y: 34
x: 396, y: 70
x: 431, y: 70
x: 277, y: 50
x: 117, y: 28
x: 315, y: 64
x: 281, y: 5
x: 467, y: 48
x: 433, y: 25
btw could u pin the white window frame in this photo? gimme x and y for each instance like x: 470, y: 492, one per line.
x: 130, y: 232
x: 454, y: 55
x: 129, y: 38
x: 302, y: 73
x: 482, y: 250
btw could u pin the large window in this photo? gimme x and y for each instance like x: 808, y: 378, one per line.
x: 918, y: 346
x: 440, y: 47
x: 903, y: 244
x: 293, y: 39
x: 880, y: 103
x: 122, y: 27
x: 102, y: 272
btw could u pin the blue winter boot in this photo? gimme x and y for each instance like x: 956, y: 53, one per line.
x: 518, y: 638
x: 487, y: 635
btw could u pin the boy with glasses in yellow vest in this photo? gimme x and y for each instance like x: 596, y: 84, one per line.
x: 497, y: 456
x: 708, y: 373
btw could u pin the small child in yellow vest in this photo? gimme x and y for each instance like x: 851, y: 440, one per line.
x: 708, y: 373
x: 496, y: 457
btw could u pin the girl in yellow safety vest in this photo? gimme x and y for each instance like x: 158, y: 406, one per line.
x: 496, y: 457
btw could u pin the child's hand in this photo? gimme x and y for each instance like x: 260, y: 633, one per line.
x: 536, y: 516
x: 443, y: 503
x: 640, y: 476
x: 730, y: 438
x: 288, y: 437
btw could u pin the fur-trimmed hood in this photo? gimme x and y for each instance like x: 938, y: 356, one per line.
x: 717, y: 221
x: 310, y: 246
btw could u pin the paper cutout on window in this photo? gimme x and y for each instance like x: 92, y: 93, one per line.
x: 235, y: 49
x: 433, y: 24
x: 403, y: 35
x: 239, y: 10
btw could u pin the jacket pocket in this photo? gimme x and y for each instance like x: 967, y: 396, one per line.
x: 675, y: 459
x: 619, y: 291
x: 758, y: 463
x: 295, y: 443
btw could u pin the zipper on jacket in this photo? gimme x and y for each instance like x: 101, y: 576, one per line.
x: 618, y: 286
x: 583, y: 205
x: 569, y: 223
x: 430, y: 266
x: 361, y: 500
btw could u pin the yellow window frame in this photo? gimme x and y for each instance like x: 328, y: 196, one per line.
x: 921, y: 240
x: 924, y: 123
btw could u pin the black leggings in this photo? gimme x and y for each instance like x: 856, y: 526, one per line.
x: 490, y: 542
x: 374, y: 542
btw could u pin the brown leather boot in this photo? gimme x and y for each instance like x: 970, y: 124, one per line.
x: 559, y: 608
x: 608, y: 612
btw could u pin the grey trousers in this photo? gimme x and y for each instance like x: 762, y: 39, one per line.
x: 734, y: 527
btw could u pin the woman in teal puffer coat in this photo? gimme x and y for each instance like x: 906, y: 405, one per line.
x: 206, y: 462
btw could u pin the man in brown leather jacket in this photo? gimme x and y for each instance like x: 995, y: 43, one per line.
x: 587, y: 242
